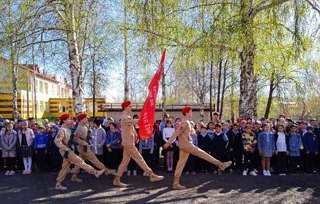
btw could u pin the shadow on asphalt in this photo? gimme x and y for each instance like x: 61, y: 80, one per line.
x: 39, y: 188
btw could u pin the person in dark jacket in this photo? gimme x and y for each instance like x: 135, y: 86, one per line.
x: 311, y: 146
x: 53, y: 150
x: 220, y: 144
x: 203, y: 143
x: 235, y: 147
x: 40, y: 147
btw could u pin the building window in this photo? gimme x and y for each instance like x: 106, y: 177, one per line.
x: 58, y: 92
x: 46, y: 106
x: 37, y: 86
x: 52, y: 90
x: 41, y: 106
x: 46, y: 91
x: 41, y: 87
x: 89, y: 107
x: 63, y: 107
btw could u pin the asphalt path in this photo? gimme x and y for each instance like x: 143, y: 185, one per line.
x: 226, y: 188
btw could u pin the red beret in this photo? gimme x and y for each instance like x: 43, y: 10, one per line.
x: 64, y: 116
x: 186, y: 109
x: 303, y: 122
x: 81, y: 116
x: 239, y: 120
x: 125, y: 104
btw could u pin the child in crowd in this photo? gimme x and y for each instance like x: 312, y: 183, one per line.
x: 112, y: 144
x: 282, y: 150
x: 9, y: 149
x: 311, y: 146
x: 40, y: 147
x: 249, y: 144
x: 203, y: 143
x: 26, y: 138
x: 210, y: 133
x: 220, y: 144
x: 53, y: 150
x: 98, y: 138
x: 295, y: 144
x: 225, y: 127
x: 146, y: 148
x: 191, y: 163
x: 166, y: 134
x: 266, y: 148
x: 235, y: 148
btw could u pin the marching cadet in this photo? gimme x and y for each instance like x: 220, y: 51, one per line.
x: 82, y: 139
x: 128, y: 135
x: 186, y: 148
x: 62, y: 140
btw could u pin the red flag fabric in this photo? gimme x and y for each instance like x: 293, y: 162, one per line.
x: 146, y: 120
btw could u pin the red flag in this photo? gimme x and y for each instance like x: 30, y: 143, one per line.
x: 146, y: 120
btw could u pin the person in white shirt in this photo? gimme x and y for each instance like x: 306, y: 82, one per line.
x: 166, y: 134
x: 282, y: 150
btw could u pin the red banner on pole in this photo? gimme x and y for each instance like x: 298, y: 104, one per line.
x: 146, y: 120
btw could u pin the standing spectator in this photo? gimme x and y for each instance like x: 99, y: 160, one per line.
x: 112, y: 144
x: 157, y: 142
x: 33, y: 124
x: 295, y: 144
x: 57, y: 121
x: 282, y: 150
x: 191, y: 162
x: 235, y: 147
x: 166, y: 133
x: 203, y: 143
x: 16, y: 117
x: 9, y: 148
x: 249, y: 142
x: 53, y: 150
x: 26, y: 138
x: 220, y: 144
x: 40, y: 147
x: 266, y: 148
x: 225, y: 127
x: 210, y: 133
x: 163, y: 123
x: 98, y: 139
x: 146, y: 148
x: 216, y: 118
x: 46, y: 125
x: 311, y: 146
x: 303, y: 130
x: 315, y: 125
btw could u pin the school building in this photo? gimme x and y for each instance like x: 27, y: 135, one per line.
x: 53, y: 95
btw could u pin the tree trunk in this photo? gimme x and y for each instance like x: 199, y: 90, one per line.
x: 223, y: 87
x: 248, y: 97
x: 75, y: 67
x: 14, y: 80
x: 210, y: 87
x: 125, y: 33
x: 271, y: 90
x: 12, y: 61
x: 219, y: 85
x: 232, y: 93
x: 94, y: 84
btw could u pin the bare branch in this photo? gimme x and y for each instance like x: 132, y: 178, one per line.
x: 45, y: 41
x: 262, y: 7
x: 313, y: 6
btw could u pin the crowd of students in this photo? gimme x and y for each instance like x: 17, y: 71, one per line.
x: 264, y: 146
